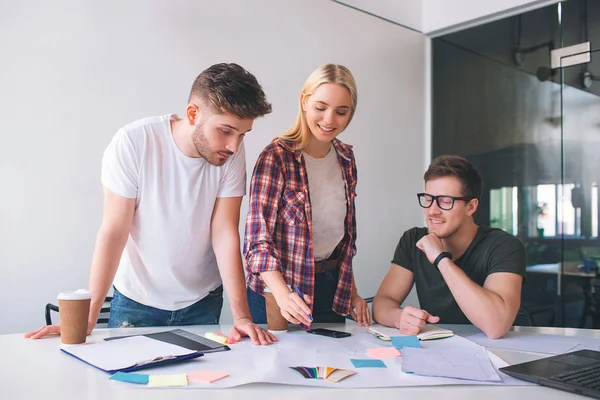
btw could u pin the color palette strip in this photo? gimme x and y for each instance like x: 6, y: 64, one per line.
x: 330, y: 374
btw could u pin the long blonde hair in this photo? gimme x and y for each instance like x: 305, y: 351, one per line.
x: 297, y: 137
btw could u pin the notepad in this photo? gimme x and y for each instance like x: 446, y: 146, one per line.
x: 129, y: 354
x: 428, y: 332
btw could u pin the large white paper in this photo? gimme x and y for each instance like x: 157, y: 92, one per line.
x: 247, y: 363
x: 452, y: 362
x: 532, y: 342
x: 124, y: 353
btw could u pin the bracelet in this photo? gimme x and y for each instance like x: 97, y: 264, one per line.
x: 442, y: 255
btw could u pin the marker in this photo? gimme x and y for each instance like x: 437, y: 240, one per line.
x: 229, y: 340
x: 302, y: 297
x: 215, y: 338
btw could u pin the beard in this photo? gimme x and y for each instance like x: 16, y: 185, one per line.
x: 204, y: 149
x: 445, y: 235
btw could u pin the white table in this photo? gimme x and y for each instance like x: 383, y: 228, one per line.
x: 38, y: 370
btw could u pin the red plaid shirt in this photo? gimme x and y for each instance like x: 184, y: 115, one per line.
x: 279, y: 223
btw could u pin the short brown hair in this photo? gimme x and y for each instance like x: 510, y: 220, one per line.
x: 229, y: 88
x: 459, y: 167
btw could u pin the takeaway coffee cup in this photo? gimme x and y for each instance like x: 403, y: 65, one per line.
x: 276, y: 323
x: 74, y: 309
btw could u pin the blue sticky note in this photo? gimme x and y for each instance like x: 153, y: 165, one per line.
x: 405, y: 341
x: 368, y: 363
x: 140, y: 379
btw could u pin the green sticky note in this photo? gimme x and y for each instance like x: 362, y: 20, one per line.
x: 140, y: 379
x: 168, y: 380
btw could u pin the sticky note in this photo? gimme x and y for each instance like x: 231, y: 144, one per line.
x: 168, y: 380
x: 140, y: 379
x: 405, y: 341
x: 206, y: 376
x: 368, y: 363
x: 383, y: 352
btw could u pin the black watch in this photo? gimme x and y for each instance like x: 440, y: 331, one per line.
x: 442, y: 255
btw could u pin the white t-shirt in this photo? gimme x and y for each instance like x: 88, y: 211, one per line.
x: 168, y: 262
x: 328, y: 202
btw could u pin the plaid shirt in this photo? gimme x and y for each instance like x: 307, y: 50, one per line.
x: 279, y: 223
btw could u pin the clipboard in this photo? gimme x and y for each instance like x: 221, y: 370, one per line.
x: 183, y: 338
x: 129, y: 354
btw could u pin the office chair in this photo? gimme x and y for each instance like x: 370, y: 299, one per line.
x: 529, y: 310
x: 101, y: 319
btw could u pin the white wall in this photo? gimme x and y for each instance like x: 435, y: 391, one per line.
x: 74, y: 72
x: 404, y: 12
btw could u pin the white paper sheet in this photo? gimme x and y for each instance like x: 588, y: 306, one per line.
x: 451, y: 362
x: 525, y: 341
x: 123, y: 353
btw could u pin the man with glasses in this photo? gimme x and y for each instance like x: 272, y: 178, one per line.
x: 464, y: 273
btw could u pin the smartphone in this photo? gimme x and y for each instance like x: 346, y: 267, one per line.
x: 329, y: 332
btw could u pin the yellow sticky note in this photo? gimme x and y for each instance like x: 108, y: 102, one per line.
x: 207, y: 376
x: 168, y: 380
x: 384, y: 352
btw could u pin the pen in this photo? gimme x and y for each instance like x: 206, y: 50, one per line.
x: 302, y: 297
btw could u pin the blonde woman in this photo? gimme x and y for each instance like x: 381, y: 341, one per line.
x: 301, y: 225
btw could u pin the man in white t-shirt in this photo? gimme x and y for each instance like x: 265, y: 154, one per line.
x: 173, y: 187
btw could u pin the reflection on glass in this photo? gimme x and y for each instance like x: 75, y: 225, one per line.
x: 595, y: 210
x: 504, y: 208
x: 545, y: 211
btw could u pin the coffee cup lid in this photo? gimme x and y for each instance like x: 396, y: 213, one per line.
x: 80, y: 294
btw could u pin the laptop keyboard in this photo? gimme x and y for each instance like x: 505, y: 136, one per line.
x: 587, y: 377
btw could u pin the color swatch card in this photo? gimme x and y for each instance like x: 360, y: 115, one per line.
x: 330, y: 374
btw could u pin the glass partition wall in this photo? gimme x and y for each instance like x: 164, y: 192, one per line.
x: 532, y: 128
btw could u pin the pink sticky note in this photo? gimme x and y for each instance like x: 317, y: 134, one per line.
x: 384, y: 352
x: 207, y: 376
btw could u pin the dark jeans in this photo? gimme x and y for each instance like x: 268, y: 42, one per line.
x: 325, y: 286
x: 127, y: 313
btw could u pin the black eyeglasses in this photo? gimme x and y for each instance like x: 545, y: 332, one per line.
x: 444, y: 202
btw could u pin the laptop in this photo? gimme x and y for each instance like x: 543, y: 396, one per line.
x: 576, y: 372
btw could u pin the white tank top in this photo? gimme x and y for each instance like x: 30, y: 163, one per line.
x: 328, y: 202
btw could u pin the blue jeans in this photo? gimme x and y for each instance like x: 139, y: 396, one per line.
x: 127, y: 313
x: 325, y: 286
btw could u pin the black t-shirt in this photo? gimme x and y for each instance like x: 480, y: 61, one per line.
x: 492, y: 250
